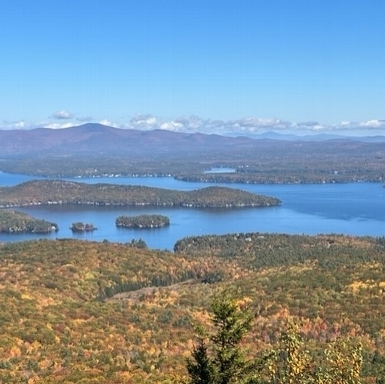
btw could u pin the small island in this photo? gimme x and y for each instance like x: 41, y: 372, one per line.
x: 82, y: 227
x: 143, y: 221
x: 18, y: 222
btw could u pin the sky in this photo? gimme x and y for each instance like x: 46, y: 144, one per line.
x: 239, y: 66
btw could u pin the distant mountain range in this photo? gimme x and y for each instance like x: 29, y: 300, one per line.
x: 98, y: 139
x: 317, y: 137
x: 104, y: 140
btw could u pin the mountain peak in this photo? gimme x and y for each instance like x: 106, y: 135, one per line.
x: 93, y: 127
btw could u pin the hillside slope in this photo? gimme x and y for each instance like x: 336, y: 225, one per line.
x: 112, y: 313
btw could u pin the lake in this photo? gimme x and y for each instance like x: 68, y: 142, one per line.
x: 353, y: 209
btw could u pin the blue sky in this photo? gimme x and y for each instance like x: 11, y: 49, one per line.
x: 239, y: 65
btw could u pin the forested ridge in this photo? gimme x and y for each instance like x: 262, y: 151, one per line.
x: 75, y: 311
x: 65, y: 192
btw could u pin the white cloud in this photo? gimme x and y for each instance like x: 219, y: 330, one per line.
x: 364, y: 127
x: 252, y: 125
x: 62, y: 115
x: 7, y: 125
x: 373, y: 124
x: 311, y: 127
x: 173, y: 126
x: 191, y: 123
x: 145, y: 122
x: 109, y: 123
x: 58, y: 125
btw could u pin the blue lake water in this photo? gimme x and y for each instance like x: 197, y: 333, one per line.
x: 353, y: 209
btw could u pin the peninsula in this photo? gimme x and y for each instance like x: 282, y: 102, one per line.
x: 17, y: 222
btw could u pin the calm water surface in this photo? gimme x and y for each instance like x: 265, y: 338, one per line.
x: 352, y: 209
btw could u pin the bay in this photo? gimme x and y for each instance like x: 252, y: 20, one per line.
x: 352, y: 209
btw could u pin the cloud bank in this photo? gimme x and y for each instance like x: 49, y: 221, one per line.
x: 238, y: 127
x: 253, y: 125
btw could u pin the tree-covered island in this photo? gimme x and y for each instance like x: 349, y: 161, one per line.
x: 17, y: 222
x: 39, y: 192
x: 82, y: 227
x: 143, y: 221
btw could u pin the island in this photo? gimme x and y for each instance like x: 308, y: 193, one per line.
x: 82, y: 227
x: 143, y: 221
x: 50, y: 192
x: 18, y: 222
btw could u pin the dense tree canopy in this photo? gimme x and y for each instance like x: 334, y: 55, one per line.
x: 76, y: 311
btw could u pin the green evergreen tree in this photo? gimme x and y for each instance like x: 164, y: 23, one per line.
x: 218, y: 357
x: 200, y: 367
x: 222, y: 361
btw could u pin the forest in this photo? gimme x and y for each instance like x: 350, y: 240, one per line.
x: 73, y: 311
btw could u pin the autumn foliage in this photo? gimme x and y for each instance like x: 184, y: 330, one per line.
x: 86, y: 312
